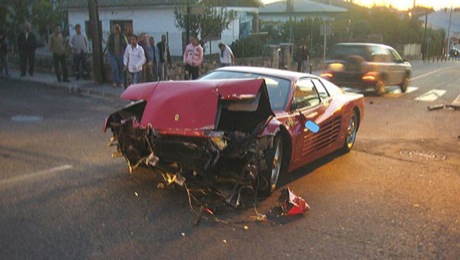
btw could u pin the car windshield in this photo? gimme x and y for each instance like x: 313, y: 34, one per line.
x: 342, y: 51
x: 278, y: 88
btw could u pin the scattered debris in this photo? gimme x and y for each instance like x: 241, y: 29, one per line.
x: 455, y: 107
x: 291, y: 204
x: 441, y: 106
x: 435, y: 107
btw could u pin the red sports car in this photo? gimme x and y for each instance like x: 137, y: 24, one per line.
x: 242, y: 126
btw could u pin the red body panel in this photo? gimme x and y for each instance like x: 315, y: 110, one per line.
x: 187, y: 106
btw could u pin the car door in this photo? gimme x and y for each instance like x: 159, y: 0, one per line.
x: 399, y: 71
x: 306, y: 105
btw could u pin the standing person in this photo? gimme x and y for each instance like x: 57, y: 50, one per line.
x: 306, y: 59
x: 116, y: 46
x: 155, y: 53
x: 134, y: 59
x: 57, y: 48
x: 4, y: 49
x: 226, y: 55
x: 147, y: 73
x: 27, y: 44
x: 79, y: 45
x: 298, y: 56
x: 193, y: 57
x: 165, y: 58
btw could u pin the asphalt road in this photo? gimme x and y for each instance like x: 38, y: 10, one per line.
x: 396, y: 195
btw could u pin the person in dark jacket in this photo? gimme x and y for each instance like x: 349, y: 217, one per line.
x: 164, y: 58
x: 27, y: 43
x: 58, y: 49
x: 4, y: 50
x: 116, y: 46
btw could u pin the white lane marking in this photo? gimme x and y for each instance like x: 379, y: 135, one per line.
x: 35, y: 175
x: 396, y: 91
x: 431, y: 95
x: 411, y: 89
x: 429, y: 73
x: 456, y: 101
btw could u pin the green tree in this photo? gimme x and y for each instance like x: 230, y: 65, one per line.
x: 42, y: 14
x: 206, y: 19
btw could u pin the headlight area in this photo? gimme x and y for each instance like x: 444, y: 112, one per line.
x: 133, y: 109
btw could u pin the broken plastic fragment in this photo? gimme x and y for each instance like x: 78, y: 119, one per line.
x: 291, y: 204
x: 434, y: 107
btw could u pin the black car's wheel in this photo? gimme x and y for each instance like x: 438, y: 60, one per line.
x: 403, y: 86
x: 380, y: 87
x: 270, y: 176
x: 352, y: 129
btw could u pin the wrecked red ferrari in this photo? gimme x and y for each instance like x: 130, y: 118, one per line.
x: 237, y: 126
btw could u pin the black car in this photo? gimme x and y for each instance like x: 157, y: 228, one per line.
x: 366, y: 65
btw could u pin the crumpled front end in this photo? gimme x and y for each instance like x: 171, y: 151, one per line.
x: 226, y: 154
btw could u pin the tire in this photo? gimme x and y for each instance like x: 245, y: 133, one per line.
x: 380, y: 87
x: 352, y: 129
x: 270, y: 176
x: 403, y: 86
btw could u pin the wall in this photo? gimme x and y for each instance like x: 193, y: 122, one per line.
x: 154, y: 21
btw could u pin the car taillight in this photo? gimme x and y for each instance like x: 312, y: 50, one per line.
x: 370, y: 76
x: 327, y: 75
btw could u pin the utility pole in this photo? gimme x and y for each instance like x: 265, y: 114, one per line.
x: 448, y: 33
x: 425, y: 46
x: 96, y: 35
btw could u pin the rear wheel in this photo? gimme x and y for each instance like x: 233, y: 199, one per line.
x: 352, y: 129
x: 380, y: 87
x: 403, y: 86
x: 270, y: 176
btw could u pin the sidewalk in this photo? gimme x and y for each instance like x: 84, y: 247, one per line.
x: 87, y: 87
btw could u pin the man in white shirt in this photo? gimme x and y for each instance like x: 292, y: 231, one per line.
x: 133, y: 60
x: 79, y: 44
x: 226, y: 55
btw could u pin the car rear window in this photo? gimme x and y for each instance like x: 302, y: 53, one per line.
x: 278, y: 88
x: 340, y: 52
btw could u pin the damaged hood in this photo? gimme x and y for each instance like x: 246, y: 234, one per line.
x: 195, y: 105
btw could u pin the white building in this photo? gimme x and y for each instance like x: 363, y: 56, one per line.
x: 284, y: 10
x: 156, y: 18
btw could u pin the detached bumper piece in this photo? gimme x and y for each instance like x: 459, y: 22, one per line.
x: 291, y: 204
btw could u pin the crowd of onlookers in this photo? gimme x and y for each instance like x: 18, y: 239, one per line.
x: 133, y: 59
x: 27, y: 45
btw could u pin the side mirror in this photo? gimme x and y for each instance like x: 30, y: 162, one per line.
x: 312, y: 126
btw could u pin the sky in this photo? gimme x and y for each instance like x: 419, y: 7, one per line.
x: 403, y: 4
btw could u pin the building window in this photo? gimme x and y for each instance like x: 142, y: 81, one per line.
x: 126, y: 26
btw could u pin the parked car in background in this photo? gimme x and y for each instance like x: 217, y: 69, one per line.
x: 454, y: 52
x: 237, y: 126
x: 366, y: 65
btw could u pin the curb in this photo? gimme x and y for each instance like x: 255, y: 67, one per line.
x: 89, y: 89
